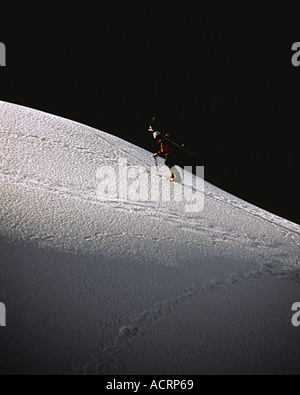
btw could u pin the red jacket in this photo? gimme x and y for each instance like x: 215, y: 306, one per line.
x: 165, y: 148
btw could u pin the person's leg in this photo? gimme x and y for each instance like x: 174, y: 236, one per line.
x: 170, y: 163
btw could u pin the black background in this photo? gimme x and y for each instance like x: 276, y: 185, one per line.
x: 218, y: 77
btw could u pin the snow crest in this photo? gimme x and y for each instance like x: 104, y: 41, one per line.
x: 141, y: 283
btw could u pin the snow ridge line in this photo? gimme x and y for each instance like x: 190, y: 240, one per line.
x: 260, y: 213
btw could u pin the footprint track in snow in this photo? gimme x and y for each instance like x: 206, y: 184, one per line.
x: 139, y: 323
x: 217, y: 234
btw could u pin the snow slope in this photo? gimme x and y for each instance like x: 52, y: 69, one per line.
x: 121, y: 287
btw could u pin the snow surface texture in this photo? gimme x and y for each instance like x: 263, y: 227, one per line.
x: 123, y: 287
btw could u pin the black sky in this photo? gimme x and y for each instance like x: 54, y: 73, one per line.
x: 217, y: 77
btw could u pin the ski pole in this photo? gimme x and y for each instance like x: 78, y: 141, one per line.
x: 155, y: 160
